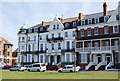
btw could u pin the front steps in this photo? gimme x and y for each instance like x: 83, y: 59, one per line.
x: 92, y: 67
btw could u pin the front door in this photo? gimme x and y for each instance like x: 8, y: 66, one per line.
x: 108, y: 60
x: 99, y: 59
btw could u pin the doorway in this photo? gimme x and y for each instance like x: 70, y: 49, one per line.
x: 58, y: 59
x: 99, y: 59
x: 108, y: 59
x: 51, y: 60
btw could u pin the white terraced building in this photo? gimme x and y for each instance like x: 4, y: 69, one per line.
x: 49, y: 42
x: 93, y: 38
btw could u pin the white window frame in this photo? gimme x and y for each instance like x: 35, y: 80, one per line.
x: 84, y: 58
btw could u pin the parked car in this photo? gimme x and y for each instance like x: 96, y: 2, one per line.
x: 22, y: 68
x: 14, y: 68
x: 53, y: 67
x: 69, y: 68
x: 37, y: 67
x: 6, y: 67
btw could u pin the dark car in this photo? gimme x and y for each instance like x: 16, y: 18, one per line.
x: 53, y: 67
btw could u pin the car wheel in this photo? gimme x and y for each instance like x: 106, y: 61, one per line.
x: 29, y: 70
x: 43, y: 71
x: 38, y: 70
x: 71, y: 71
x: 59, y: 71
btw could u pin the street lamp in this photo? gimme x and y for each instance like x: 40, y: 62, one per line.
x: 75, y: 50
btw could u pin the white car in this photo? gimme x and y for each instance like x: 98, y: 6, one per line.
x: 69, y: 68
x: 14, y: 68
x: 22, y: 68
x: 37, y: 67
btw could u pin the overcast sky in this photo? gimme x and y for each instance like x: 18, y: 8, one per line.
x: 15, y: 14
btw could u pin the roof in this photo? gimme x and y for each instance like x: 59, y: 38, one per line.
x: 6, y: 42
x: 87, y: 16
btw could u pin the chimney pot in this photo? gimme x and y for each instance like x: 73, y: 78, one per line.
x: 43, y: 23
x: 80, y: 16
x: 105, y: 9
x: 60, y: 19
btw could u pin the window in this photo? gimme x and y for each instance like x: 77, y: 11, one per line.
x: 68, y: 45
x: 30, y: 30
x: 89, y: 32
x: 23, y: 39
x: 118, y: 57
x: 52, y: 36
x: 106, y: 19
x: 57, y: 26
x: 46, y: 36
x: 28, y: 38
x: 96, y: 31
x: 8, y: 53
x: 96, y: 21
x: 105, y: 30
x: 41, y: 58
x: 59, y: 46
x: 53, y: 26
x: 82, y: 33
x: 116, y: 29
x: 59, y: 35
x: 29, y: 48
x: 41, y: 47
x: 83, y: 58
x: 83, y: 22
x: 67, y: 57
x: 40, y: 37
x: 106, y: 43
x: 89, y: 44
x: 41, y: 28
x: 90, y: 21
x: 66, y: 25
x: 35, y: 29
x: 96, y: 44
x: 19, y: 49
x: 33, y: 47
x: 73, y: 33
x: 74, y: 24
x: 34, y: 38
x: 73, y: 45
x: 52, y: 46
x: 116, y: 43
x: 22, y: 47
x: 29, y: 58
x: 66, y: 34
x: 19, y: 39
x: 117, y: 17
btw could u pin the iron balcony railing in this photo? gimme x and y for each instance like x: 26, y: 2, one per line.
x: 55, y: 39
x: 116, y: 48
x: 68, y: 50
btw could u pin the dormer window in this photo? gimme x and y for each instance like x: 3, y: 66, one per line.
x: 35, y: 29
x: 74, y: 24
x: 40, y: 37
x: 41, y: 28
x: 30, y: 30
x: 57, y: 26
x: 66, y: 25
x: 96, y: 20
x: 90, y: 21
x: 53, y: 26
x: 106, y: 18
x: 83, y: 22
x: 117, y: 17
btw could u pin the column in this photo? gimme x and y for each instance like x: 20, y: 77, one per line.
x: 112, y: 58
x: 94, y: 59
x: 91, y: 45
x: 55, y: 59
x: 49, y: 58
x: 110, y: 44
x: 90, y: 57
x: 83, y: 45
x: 103, y: 59
x: 100, y: 44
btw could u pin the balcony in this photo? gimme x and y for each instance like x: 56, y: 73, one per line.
x: 33, y: 52
x: 102, y: 48
x: 55, y: 39
x: 68, y: 50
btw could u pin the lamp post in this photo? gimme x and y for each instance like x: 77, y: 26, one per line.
x: 75, y: 50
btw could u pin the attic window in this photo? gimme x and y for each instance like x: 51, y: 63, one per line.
x: 41, y: 28
x: 83, y: 22
x: 35, y: 29
x: 117, y: 17
x: 66, y: 25
x: 57, y: 26
x: 30, y: 30
x: 53, y: 26
x: 90, y: 21
x: 74, y: 24
x: 106, y: 18
x: 96, y: 21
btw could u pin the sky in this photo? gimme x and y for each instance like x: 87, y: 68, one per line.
x: 13, y: 14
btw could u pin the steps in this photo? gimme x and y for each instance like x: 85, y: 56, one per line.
x: 102, y: 67
x: 92, y: 67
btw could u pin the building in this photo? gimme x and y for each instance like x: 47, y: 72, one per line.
x: 98, y: 40
x: 15, y: 57
x: 5, y: 51
x: 61, y: 40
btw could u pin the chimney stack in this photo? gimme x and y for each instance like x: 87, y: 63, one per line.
x: 104, y: 9
x: 60, y: 19
x: 43, y: 23
x: 80, y: 16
